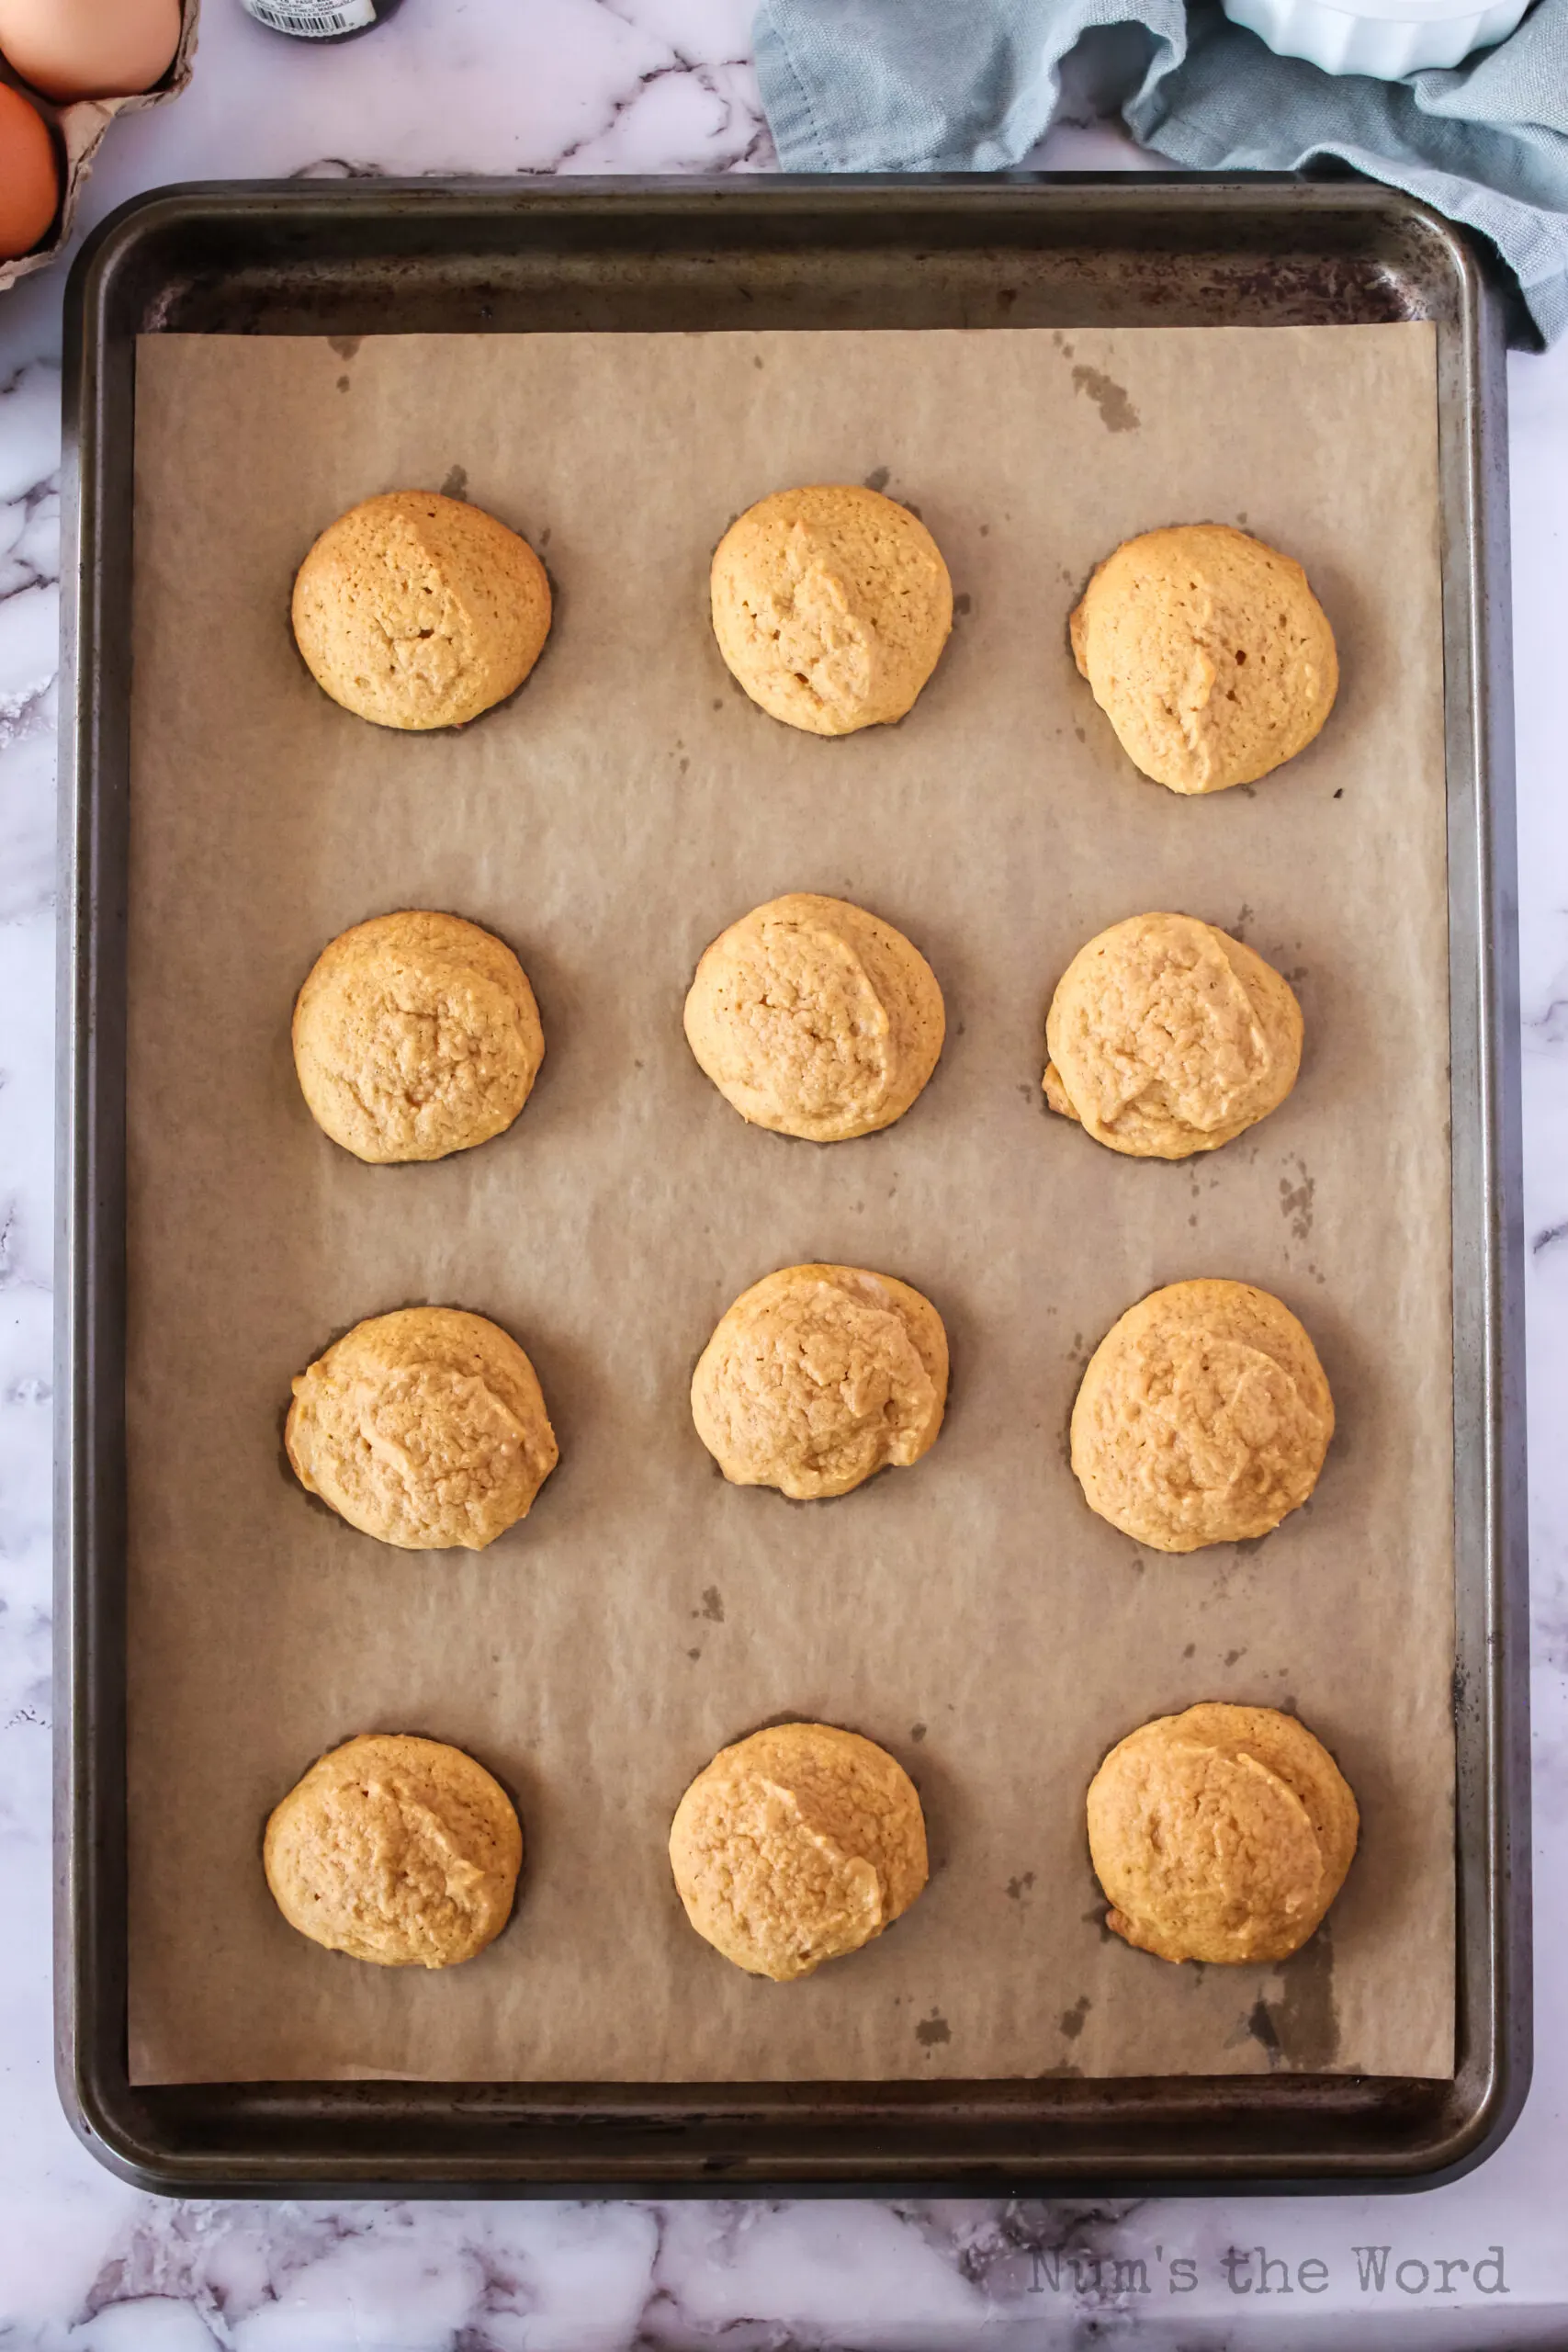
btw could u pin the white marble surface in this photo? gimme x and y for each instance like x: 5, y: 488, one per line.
x: 587, y: 85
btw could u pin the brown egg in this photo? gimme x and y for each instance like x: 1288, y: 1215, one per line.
x: 89, y: 49
x: 29, y: 176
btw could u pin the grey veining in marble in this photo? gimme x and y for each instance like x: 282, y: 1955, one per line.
x: 651, y: 85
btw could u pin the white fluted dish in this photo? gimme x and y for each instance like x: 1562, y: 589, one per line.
x: 1386, y: 39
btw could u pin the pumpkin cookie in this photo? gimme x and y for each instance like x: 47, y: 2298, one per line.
x: 815, y: 1018
x: 415, y: 1036
x: 1167, y: 1037
x: 419, y: 611
x: 398, y: 1850
x: 425, y: 1429
x: 831, y: 605
x: 796, y: 1846
x: 816, y: 1378
x: 1223, y: 1834
x: 1209, y: 655
x: 1203, y: 1418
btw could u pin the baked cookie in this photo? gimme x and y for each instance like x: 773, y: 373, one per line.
x: 816, y: 1378
x: 400, y: 1850
x: 831, y: 605
x: 1209, y: 655
x: 419, y: 611
x: 416, y: 1034
x: 815, y: 1018
x: 425, y: 1428
x: 796, y: 1846
x: 1203, y: 1418
x: 1222, y: 1833
x: 1167, y: 1037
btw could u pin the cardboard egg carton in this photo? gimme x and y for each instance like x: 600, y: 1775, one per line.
x: 82, y: 127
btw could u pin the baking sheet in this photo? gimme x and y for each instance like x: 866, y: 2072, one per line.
x: 971, y: 1614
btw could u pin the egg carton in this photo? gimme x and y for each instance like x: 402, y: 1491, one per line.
x: 82, y: 128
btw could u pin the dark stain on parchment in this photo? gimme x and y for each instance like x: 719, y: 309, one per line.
x: 1299, y: 2029
x: 1295, y: 1201
x: 932, y: 2030
x: 1116, y: 411
x: 1264, y: 2030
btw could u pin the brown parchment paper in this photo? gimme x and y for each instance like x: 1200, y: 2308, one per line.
x: 972, y: 1613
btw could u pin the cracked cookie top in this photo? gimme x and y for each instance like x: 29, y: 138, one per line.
x: 418, y: 611
x: 815, y: 1019
x: 1223, y: 1834
x: 395, y: 1849
x: 1208, y: 653
x: 797, y: 1846
x: 1203, y: 1416
x: 817, y: 1377
x: 831, y: 605
x: 416, y: 1034
x: 425, y: 1429
x: 1167, y: 1036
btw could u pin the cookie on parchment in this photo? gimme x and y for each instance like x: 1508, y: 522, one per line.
x: 394, y: 1850
x: 819, y: 1375
x: 797, y: 1846
x: 831, y: 605
x: 1223, y: 1834
x: 1167, y: 1036
x: 425, y: 1429
x: 815, y: 1018
x: 1208, y: 653
x: 419, y: 611
x: 416, y: 1034
x: 1203, y: 1416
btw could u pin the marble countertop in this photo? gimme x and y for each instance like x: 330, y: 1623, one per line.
x: 665, y: 86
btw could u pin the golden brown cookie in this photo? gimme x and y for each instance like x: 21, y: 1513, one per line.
x: 419, y: 611
x: 1203, y: 1416
x: 1167, y: 1037
x: 796, y: 1846
x: 1222, y: 1833
x: 1209, y: 655
x: 815, y: 1019
x: 425, y: 1428
x: 816, y: 1378
x: 416, y: 1034
x: 831, y: 605
x: 395, y: 1849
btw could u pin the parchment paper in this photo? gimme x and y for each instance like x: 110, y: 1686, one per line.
x: 972, y: 1614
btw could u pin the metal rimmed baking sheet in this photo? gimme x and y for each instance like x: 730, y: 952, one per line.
x: 1052, y: 2093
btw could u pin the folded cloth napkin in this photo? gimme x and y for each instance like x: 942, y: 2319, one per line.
x: 901, y: 86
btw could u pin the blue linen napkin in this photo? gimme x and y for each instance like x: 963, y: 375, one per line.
x: 902, y: 85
